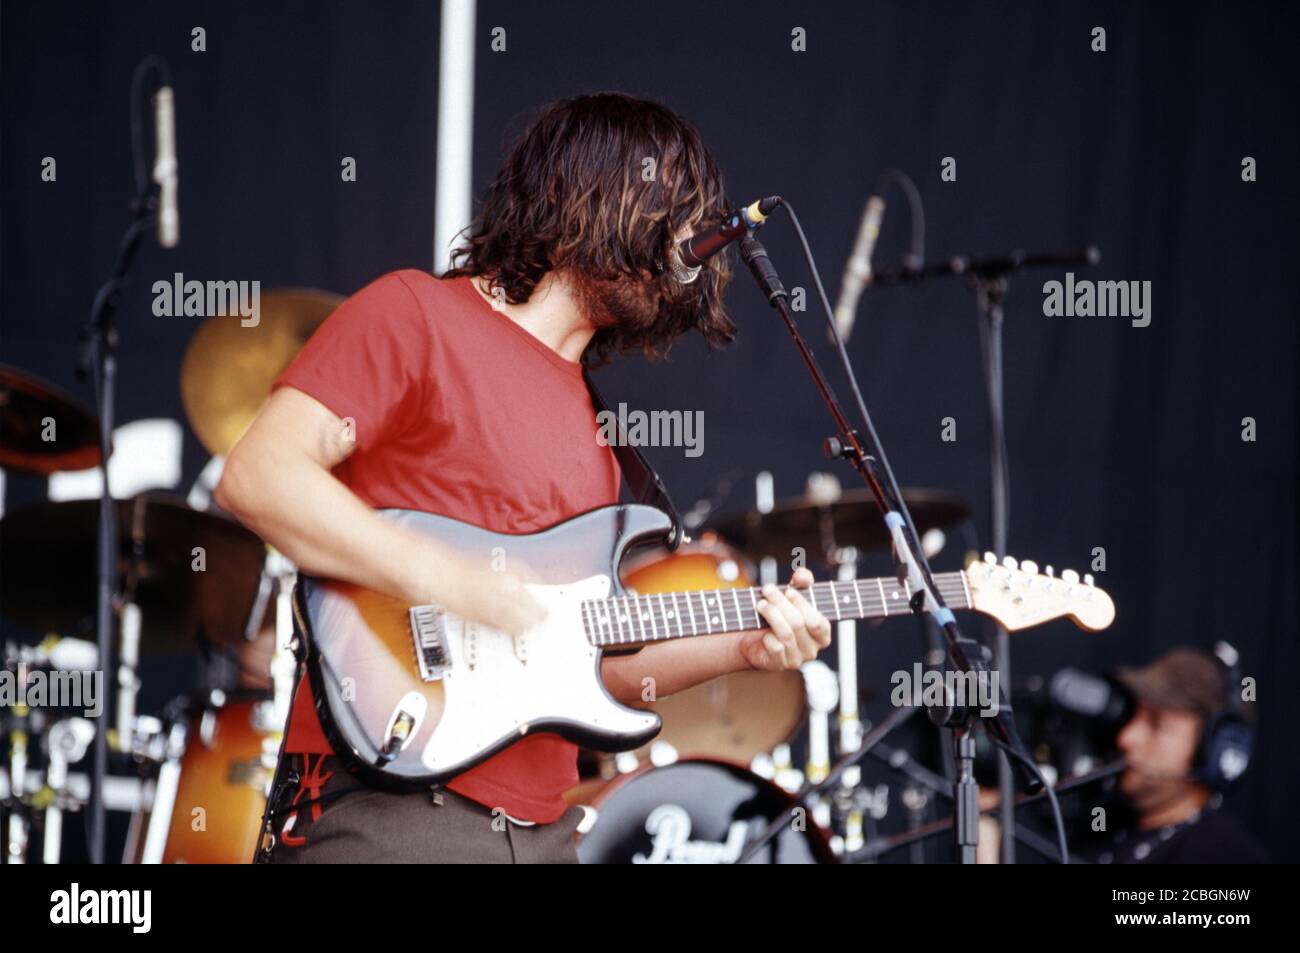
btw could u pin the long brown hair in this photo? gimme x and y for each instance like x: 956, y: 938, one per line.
x: 600, y: 184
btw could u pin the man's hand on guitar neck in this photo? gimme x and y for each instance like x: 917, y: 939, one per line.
x: 797, y: 633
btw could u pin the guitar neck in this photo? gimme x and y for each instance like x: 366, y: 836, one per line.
x: 634, y: 620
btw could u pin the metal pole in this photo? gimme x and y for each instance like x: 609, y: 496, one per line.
x: 454, y: 188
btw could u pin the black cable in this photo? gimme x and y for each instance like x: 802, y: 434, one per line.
x: 1057, y: 818
x: 916, y: 257
x: 158, y: 66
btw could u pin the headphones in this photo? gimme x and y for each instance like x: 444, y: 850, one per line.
x: 1228, y: 737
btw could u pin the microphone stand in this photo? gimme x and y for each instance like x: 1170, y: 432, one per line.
x: 98, y: 358
x: 990, y: 278
x: 965, y: 654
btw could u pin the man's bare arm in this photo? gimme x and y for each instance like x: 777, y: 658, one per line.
x: 277, y: 480
x: 658, y: 671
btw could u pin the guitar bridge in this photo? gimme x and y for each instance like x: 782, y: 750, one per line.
x: 432, y: 652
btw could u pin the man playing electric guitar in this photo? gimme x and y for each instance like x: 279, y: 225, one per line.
x: 464, y: 396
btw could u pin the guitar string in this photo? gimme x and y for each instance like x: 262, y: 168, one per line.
x: 615, y: 625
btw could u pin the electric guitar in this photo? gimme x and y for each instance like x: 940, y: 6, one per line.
x: 410, y: 696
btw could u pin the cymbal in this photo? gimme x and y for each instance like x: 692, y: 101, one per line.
x: 48, y: 572
x: 229, y: 369
x: 26, y: 402
x: 854, y: 520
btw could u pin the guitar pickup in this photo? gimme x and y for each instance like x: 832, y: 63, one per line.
x: 432, y: 651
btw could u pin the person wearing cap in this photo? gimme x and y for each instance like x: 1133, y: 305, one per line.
x: 1187, y: 741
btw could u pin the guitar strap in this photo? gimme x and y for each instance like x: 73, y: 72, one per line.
x: 642, y: 480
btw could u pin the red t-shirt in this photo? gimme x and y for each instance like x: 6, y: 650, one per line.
x: 460, y: 412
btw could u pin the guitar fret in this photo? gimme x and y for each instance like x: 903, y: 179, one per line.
x: 622, y: 620
x: 691, y: 609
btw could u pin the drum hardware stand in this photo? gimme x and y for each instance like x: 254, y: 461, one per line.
x: 16, y: 830
x: 939, y: 785
x: 67, y: 742
x: 844, y: 560
x: 822, y: 691
x: 824, y: 490
x: 128, y: 679
x: 164, y: 796
x: 278, y: 575
x: 833, y: 778
x: 914, y: 568
x: 784, y: 774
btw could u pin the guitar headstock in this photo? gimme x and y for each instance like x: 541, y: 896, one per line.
x: 1019, y: 596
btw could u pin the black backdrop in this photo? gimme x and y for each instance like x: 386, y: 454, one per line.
x: 1120, y: 437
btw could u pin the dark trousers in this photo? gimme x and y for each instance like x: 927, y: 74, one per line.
x: 320, y: 814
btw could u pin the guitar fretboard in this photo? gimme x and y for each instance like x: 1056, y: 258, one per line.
x: 630, y: 620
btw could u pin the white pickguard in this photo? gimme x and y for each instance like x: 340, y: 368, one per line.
x: 498, y: 686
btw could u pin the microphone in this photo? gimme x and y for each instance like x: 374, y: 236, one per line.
x: 165, y: 166
x: 857, y: 270
x: 1091, y: 696
x: 689, y: 256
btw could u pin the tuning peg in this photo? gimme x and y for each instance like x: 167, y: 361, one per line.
x: 990, y: 559
x: 1048, y: 570
x: 1088, y: 580
x: 1030, y: 567
x: 1070, y: 577
x: 1010, y: 563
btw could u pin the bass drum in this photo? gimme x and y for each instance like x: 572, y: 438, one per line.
x: 225, y: 775
x: 696, y: 811
x: 735, y: 716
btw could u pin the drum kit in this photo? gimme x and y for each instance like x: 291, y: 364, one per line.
x: 194, y: 778
x: 194, y: 582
